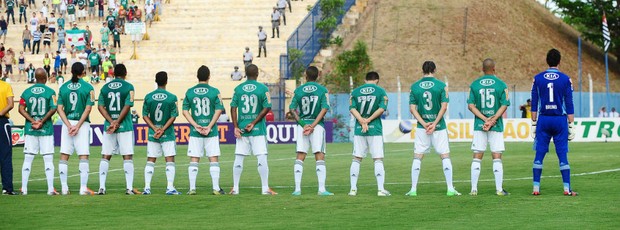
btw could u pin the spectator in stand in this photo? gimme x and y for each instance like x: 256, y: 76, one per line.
x: 60, y: 22
x: 51, y: 25
x: 88, y: 35
x: 2, y: 54
x: 22, y: 11
x: 42, y: 22
x: 223, y: 117
x: 106, y: 66
x: 135, y: 118
x: 36, y: 41
x: 63, y: 7
x: 44, y: 9
x: 61, y: 37
x: 113, y: 56
x: 63, y: 59
x: 8, y: 60
x: 122, y: 14
x: 26, y: 36
x: 57, y: 63
x: 10, y: 12
x: 105, y: 35
x: 71, y: 11
x: 138, y: 13
x: 247, y: 57
x: 3, y: 29
x: 110, y: 19
x: 149, y: 11
x: 94, y: 59
x: 526, y: 109
x: 111, y: 5
x: 30, y: 72
x: 81, y: 4
x: 290, y: 8
x: 603, y: 112
x: 46, y: 64
x: 47, y: 41
x: 100, y: 9
x: 91, y: 9
x: 282, y: 9
x: 55, y: 5
x: 275, y: 22
x: 32, y: 4
x: 262, y: 39
x: 116, y: 33
x: 236, y: 75
x: 34, y: 23
x: 21, y: 64
x: 614, y: 113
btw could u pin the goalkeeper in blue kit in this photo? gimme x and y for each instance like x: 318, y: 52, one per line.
x: 552, y: 117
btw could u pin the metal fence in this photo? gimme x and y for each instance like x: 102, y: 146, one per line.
x: 306, y: 38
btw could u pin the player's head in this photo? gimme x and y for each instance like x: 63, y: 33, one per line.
x: 428, y: 67
x: 77, y: 70
x: 488, y: 66
x: 312, y: 73
x: 203, y: 73
x: 120, y: 71
x: 251, y: 71
x: 40, y: 75
x: 161, y: 78
x: 372, y: 77
x: 553, y: 58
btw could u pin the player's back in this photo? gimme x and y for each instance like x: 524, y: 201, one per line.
x: 115, y: 95
x: 488, y: 93
x: 552, y: 90
x: 251, y: 97
x: 160, y: 105
x: 427, y: 94
x: 38, y: 100
x: 311, y: 97
x: 75, y: 96
x: 367, y: 99
x: 203, y: 100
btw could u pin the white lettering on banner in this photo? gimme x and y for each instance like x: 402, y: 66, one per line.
x: 98, y: 133
x: 515, y: 130
x: 281, y: 133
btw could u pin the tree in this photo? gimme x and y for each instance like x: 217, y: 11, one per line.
x: 355, y: 63
x: 330, y: 11
x: 587, y: 17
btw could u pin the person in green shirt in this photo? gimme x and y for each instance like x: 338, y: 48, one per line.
x: 110, y: 19
x: 75, y: 101
x: 105, y: 35
x: 488, y: 100
x: 159, y: 112
x: 71, y: 12
x: 10, y: 12
x: 37, y: 105
x: 116, y: 34
x: 312, y: 100
x: 367, y: 103
x: 254, y: 102
x: 428, y: 102
x: 91, y: 9
x: 22, y: 11
x: 202, y: 107
x: 115, y: 101
x: 61, y: 21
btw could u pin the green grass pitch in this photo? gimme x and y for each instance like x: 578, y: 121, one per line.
x: 595, y: 169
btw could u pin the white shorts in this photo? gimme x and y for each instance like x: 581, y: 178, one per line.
x: 155, y: 149
x: 365, y: 144
x: 494, y: 139
x: 198, y: 146
x: 71, y: 17
x: 34, y: 145
x: 314, y: 141
x: 116, y: 143
x: 256, y: 145
x: 81, y: 13
x: 79, y: 143
x: 438, y: 140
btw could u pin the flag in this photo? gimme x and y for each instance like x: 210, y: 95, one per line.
x: 606, y: 36
x: 76, y: 38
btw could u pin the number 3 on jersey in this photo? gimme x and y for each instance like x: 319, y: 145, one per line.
x: 249, y: 103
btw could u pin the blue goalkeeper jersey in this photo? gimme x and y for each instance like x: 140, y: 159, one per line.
x: 552, y: 93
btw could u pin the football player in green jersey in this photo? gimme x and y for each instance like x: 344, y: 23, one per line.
x: 159, y: 112
x: 75, y: 101
x: 37, y: 105
x: 488, y: 100
x: 202, y: 107
x: 254, y: 102
x: 367, y: 104
x: 312, y: 100
x: 115, y: 101
x: 428, y: 102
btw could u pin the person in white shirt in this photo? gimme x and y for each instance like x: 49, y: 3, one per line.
x: 275, y: 22
x: 614, y: 113
x: 262, y: 39
x: 282, y: 9
x: 603, y: 112
x: 148, y: 9
x: 223, y: 117
x: 236, y: 75
x: 247, y: 57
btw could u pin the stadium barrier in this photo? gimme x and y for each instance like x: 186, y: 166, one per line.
x: 515, y: 130
x: 277, y: 133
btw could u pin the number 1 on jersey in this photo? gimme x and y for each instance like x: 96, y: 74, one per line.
x: 550, y: 87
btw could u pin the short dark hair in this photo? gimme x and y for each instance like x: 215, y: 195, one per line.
x: 312, y: 73
x: 428, y: 67
x: 120, y: 71
x: 251, y: 71
x: 370, y: 76
x: 77, y: 69
x: 161, y: 78
x: 203, y: 73
x: 553, y: 58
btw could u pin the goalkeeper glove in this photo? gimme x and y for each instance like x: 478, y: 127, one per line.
x: 533, y: 130
x: 571, y: 132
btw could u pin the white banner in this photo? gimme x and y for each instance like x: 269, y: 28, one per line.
x: 135, y: 28
x: 515, y: 130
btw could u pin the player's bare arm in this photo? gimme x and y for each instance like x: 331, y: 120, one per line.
x: 169, y: 123
x: 213, y: 122
x: 63, y: 115
x: 260, y: 116
x: 375, y: 115
x: 22, y: 111
x: 414, y: 111
x: 191, y: 120
x: 316, y: 121
x: 431, y: 128
x: 48, y: 115
x: 360, y: 119
x: 233, y: 114
x: 149, y: 122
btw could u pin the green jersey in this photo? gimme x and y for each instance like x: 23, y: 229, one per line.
x: 81, y: 3
x: 105, y: 34
x: 91, y: 3
x: 71, y: 9
x: 160, y: 105
x: 61, y: 22
x: 110, y: 19
x: 488, y: 93
x: 117, y: 35
x: 367, y: 99
x: 124, y: 3
x: 74, y: 97
x: 202, y: 101
x: 427, y: 94
x: 22, y: 8
x: 251, y: 97
x: 9, y: 5
x: 93, y: 58
x: 39, y: 100
x: 114, y: 96
x: 312, y: 97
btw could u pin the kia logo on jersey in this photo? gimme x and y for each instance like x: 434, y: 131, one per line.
x: 115, y: 85
x: 551, y: 76
x: 201, y: 91
x: 37, y: 90
x: 309, y: 89
x: 487, y: 82
x: 160, y: 96
x: 249, y: 88
x: 427, y: 84
x: 367, y: 90
x: 74, y: 86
